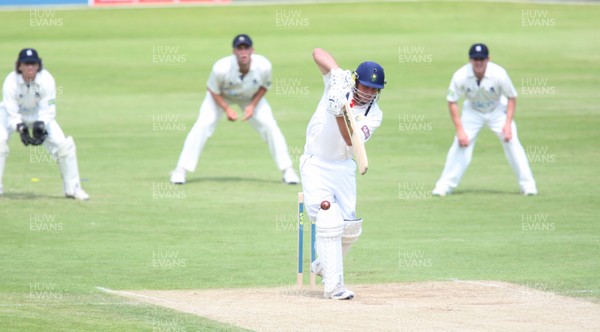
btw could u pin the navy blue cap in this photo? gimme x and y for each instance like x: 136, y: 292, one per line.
x: 29, y: 55
x: 479, y: 51
x: 242, y: 39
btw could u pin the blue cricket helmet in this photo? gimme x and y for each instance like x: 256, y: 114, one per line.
x: 371, y: 74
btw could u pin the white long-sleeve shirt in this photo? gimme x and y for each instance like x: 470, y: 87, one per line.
x: 29, y: 101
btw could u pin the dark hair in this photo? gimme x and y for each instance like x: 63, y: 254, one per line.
x: 18, y: 63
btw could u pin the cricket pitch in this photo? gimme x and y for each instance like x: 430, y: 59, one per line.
x: 423, y: 306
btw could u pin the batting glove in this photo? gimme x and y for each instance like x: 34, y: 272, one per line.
x: 336, y: 99
x: 24, y: 132
x: 341, y: 78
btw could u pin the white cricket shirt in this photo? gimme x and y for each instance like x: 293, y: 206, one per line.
x: 323, y: 137
x: 226, y: 79
x: 494, y: 89
x: 29, y: 101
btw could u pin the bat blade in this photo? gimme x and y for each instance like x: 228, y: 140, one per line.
x: 360, y: 154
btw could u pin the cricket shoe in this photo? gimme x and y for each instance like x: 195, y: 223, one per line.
x: 339, y: 293
x: 529, y: 192
x: 440, y: 192
x: 290, y: 176
x: 79, y: 195
x: 178, y: 176
x: 316, y: 268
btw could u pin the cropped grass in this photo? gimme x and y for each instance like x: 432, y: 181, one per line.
x: 131, y: 82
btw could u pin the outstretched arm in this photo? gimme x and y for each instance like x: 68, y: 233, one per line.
x: 324, y: 61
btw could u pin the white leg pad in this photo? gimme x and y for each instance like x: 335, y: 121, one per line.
x: 67, y: 163
x: 330, y: 227
x: 352, y: 231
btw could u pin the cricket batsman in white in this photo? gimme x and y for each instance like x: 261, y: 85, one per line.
x: 241, y: 79
x: 490, y: 100
x: 327, y: 170
x: 29, y: 101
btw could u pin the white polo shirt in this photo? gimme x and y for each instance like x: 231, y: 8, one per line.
x: 493, y: 90
x: 29, y: 101
x: 323, y: 137
x: 226, y: 79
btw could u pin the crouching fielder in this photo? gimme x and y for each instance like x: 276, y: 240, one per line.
x: 327, y: 169
x: 29, y: 95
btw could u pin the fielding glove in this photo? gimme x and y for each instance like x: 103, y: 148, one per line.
x: 24, y: 132
x: 39, y: 133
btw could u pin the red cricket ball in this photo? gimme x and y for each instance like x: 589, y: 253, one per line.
x: 325, y: 205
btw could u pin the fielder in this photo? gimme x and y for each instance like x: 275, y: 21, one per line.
x: 242, y: 79
x: 29, y: 95
x: 327, y: 169
x: 490, y: 100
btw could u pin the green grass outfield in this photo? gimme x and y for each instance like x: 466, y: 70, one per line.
x: 129, y: 110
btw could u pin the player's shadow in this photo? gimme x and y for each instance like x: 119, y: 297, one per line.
x: 484, y: 192
x: 304, y: 292
x: 27, y: 196
x: 231, y: 179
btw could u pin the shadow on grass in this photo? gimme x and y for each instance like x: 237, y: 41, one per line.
x: 485, y: 192
x: 223, y: 179
x: 28, y: 196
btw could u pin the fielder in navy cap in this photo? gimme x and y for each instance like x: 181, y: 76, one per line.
x: 489, y: 101
x: 240, y: 80
x: 29, y: 101
x: 242, y: 39
x: 479, y: 51
x: 28, y: 55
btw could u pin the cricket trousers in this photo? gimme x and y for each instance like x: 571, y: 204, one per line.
x: 210, y: 113
x: 459, y: 158
x: 52, y: 144
x: 328, y: 180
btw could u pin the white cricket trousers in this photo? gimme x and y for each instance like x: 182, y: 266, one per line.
x: 458, y: 158
x: 210, y: 113
x: 328, y: 180
x: 55, y: 138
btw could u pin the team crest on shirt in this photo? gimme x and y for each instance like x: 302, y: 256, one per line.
x: 366, y: 131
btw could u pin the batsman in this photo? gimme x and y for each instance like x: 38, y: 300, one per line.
x: 327, y: 170
x: 28, y: 103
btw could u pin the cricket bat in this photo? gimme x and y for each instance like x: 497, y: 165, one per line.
x: 360, y: 154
